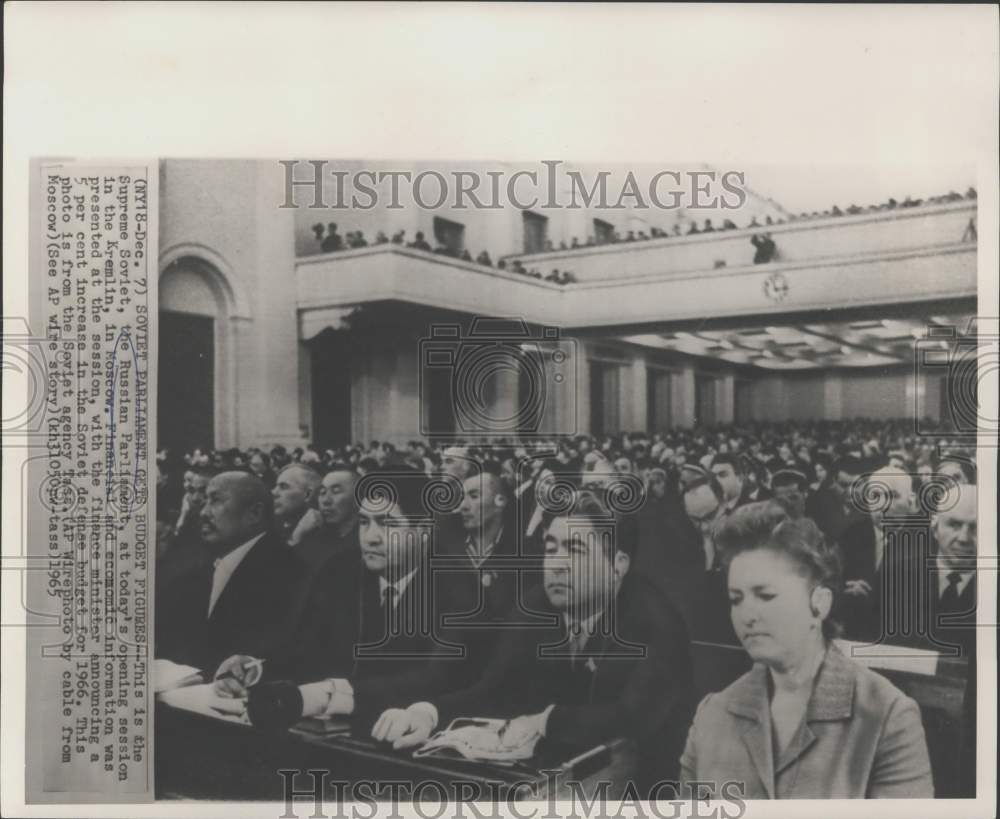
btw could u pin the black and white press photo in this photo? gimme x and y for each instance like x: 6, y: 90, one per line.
x: 544, y: 410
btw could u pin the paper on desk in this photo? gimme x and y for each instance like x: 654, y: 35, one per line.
x: 202, y: 699
x: 891, y: 657
x: 492, y: 740
x: 168, y: 675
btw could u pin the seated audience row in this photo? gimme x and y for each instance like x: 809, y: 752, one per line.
x: 400, y: 589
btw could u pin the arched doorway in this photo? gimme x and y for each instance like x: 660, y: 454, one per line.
x: 198, y: 312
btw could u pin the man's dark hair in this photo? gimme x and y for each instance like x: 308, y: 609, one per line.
x: 590, y: 506
x: 731, y: 460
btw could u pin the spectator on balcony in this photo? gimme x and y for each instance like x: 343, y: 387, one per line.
x: 615, y: 237
x: 333, y: 241
x: 575, y: 243
x: 399, y: 238
x: 693, y: 229
x: 518, y: 266
x: 765, y: 248
x: 553, y: 276
x: 484, y: 258
x: 420, y: 243
x: 709, y: 228
x: 356, y: 239
x: 318, y: 230
x: 835, y: 211
x: 970, y: 193
x: 562, y: 245
x: 753, y: 223
x: 630, y: 236
x: 853, y: 210
x: 548, y: 245
x: 502, y: 264
x: 642, y: 237
x: 381, y: 238
x: 466, y: 256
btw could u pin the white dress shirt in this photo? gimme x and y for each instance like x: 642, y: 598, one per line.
x: 581, y: 632
x: 400, y: 587
x: 224, y: 568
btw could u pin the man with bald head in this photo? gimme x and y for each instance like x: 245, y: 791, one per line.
x: 240, y: 600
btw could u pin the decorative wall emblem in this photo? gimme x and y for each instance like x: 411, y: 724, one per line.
x: 776, y: 287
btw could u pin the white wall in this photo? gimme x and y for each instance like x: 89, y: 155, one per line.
x: 875, y: 393
x: 225, y: 215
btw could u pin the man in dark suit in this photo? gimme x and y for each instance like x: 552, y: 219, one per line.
x: 703, y: 597
x: 371, y: 634
x: 945, y: 585
x: 669, y: 549
x: 187, y: 551
x: 614, y: 660
x: 240, y: 601
x: 863, y: 547
x: 338, y: 533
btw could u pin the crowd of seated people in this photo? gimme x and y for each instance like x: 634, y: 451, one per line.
x: 329, y: 240
x: 759, y: 535
x: 695, y: 227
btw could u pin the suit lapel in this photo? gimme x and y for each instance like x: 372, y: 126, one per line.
x: 749, y: 700
x: 832, y: 700
x: 801, y: 743
x: 248, y: 568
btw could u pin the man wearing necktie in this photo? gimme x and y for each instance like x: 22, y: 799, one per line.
x: 613, y: 662
x: 946, y: 591
x: 955, y: 531
x: 863, y: 548
x: 240, y: 600
x: 371, y: 633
